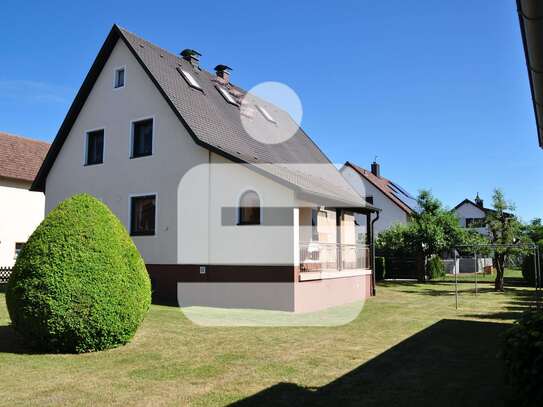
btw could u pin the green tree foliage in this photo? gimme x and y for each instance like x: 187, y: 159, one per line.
x: 505, y: 229
x: 79, y: 284
x: 433, y: 230
x: 533, y: 232
x: 523, y: 355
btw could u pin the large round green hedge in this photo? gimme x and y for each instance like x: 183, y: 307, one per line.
x: 79, y: 284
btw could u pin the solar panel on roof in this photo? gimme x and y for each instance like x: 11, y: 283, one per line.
x: 403, y: 191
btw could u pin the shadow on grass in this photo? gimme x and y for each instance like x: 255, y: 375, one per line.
x: 11, y: 342
x: 451, y: 363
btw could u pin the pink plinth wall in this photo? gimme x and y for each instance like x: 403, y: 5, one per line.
x: 316, y: 295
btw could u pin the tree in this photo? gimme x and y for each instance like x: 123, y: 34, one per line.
x: 505, y: 229
x: 533, y: 232
x: 432, y: 231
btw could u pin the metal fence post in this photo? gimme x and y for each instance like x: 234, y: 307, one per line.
x: 476, y: 269
x: 456, y: 271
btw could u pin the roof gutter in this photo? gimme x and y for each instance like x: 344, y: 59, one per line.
x: 530, y: 13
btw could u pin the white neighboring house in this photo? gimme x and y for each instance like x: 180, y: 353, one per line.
x: 396, y: 204
x: 472, y: 214
x: 20, y: 210
x: 161, y: 142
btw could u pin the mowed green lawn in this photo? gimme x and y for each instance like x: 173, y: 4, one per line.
x: 408, y: 346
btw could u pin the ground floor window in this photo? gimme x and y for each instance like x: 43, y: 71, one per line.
x: 143, y: 215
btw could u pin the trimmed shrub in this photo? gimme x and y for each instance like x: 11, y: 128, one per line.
x: 435, y: 268
x: 79, y: 284
x: 379, y: 268
x: 523, y: 356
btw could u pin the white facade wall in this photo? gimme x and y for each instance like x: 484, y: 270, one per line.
x: 390, y: 212
x: 21, y: 211
x: 204, y: 238
x: 119, y: 177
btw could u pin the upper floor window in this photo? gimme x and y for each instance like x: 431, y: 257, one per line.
x: 119, y: 78
x: 475, y: 222
x: 369, y: 199
x: 95, y: 147
x: 143, y: 215
x: 249, y: 209
x: 142, y: 138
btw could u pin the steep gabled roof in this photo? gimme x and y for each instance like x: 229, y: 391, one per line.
x: 20, y: 157
x: 485, y: 210
x: 383, y: 185
x: 215, y: 124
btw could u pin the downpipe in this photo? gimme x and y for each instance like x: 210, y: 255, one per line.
x: 373, y: 251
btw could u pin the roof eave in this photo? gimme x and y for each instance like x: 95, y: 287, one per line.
x: 75, y: 108
x: 532, y: 42
x: 407, y: 210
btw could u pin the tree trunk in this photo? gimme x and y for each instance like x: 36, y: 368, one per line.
x: 421, y: 267
x: 499, y: 260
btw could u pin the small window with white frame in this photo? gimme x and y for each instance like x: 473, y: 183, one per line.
x: 249, y: 211
x: 142, y: 138
x: 119, y: 78
x: 266, y: 114
x: 143, y: 215
x: 94, y: 148
x: 189, y: 78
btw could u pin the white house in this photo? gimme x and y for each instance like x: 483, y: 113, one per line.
x: 396, y: 204
x: 167, y: 146
x: 472, y: 214
x: 20, y: 210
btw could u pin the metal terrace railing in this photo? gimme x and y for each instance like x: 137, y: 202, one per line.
x: 318, y: 256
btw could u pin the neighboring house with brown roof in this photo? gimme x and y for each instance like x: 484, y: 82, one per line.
x: 396, y: 204
x: 172, y: 150
x: 20, y: 209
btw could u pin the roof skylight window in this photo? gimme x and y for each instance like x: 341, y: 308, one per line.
x: 226, y: 95
x: 265, y: 113
x: 189, y: 78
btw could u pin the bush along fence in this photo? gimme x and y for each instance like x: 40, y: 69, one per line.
x: 5, y: 272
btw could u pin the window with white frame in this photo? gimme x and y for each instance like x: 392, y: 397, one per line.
x: 119, y: 78
x: 94, y: 149
x: 249, y: 209
x: 142, y: 138
x: 143, y: 215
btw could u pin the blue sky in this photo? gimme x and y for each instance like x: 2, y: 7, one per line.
x: 437, y: 90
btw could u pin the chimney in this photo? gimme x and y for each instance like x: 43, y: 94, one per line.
x: 191, y: 56
x: 223, y: 72
x: 478, y: 201
x: 376, y: 169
